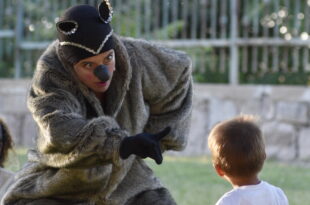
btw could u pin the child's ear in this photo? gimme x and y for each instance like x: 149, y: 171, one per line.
x: 219, y: 170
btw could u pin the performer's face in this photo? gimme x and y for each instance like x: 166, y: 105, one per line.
x: 85, y: 71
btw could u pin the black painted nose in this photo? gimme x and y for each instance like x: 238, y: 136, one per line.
x: 102, y: 73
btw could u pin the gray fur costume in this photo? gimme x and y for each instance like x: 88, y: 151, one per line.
x: 77, y: 160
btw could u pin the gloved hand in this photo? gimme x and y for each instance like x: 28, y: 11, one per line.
x: 144, y: 145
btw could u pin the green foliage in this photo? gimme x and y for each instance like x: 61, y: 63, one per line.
x: 211, y: 77
x: 276, y: 78
x: 6, y: 70
x: 170, y: 31
x: 206, y: 63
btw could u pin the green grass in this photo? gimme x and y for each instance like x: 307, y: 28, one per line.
x: 192, y: 181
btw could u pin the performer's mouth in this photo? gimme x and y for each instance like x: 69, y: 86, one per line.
x: 102, y: 83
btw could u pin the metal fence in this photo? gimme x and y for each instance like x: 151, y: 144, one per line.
x: 228, y: 40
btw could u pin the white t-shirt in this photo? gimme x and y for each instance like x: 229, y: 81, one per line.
x: 260, y: 194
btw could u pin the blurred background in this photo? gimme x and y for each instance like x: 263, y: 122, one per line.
x: 249, y: 56
x: 230, y: 41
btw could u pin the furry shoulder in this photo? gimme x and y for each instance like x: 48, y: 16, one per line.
x: 166, y: 56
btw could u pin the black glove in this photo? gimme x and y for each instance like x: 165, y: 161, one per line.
x: 144, y: 145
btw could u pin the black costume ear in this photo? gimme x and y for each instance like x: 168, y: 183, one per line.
x: 105, y: 11
x: 67, y: 27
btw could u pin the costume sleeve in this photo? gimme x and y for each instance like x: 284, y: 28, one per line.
x: 66, y: 138
x: 167, y: 88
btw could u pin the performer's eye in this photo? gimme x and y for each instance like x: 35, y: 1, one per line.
x: 109, y: 58
x: 88, y: 65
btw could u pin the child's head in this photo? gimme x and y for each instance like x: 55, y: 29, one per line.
x: 237, y: 147
x: 5, y: 142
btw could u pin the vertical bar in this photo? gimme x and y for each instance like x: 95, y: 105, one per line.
x: 194, y: 58
x: 1, y: 26
x: 174, y: 7
x: 62, y: 4
x: 266, y: 35
x: 306, y: 65
x: 1, y: 12
x: 165, y: 18
x: 147, y: 18
x: 27, y: 15
x: 223, y: 24
x: 245, y: 58
x: 18, y: 38
x: 275, y: 50
x: 34, y: 35
x: 127, y: 8
x: 200, y: 60
x: 295, y: 34
x: 244, y: 19
x: 117, y: 24
x: 194, y: 19
x: 213, y: 57
x: 138, y: 17
x: 26, y: 62
x: 203, y: 61
x: 255, y: 34
x: 203, y: 19
x: 214, y: 18
x: 245, y: 35
x: 156, y: 16
x: 175, y: 12
x: 184, y: 17
x: 285, y: 52
x: 285, y: 57
x: 222, y: 60
x: 223, y: 18
x: 234, y: 52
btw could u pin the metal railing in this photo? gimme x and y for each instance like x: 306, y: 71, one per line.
x: 229, y: 37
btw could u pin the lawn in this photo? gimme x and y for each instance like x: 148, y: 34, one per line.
x: 192, y: 181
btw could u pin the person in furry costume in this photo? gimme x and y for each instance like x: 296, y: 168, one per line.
x: 6, y: 177
x: 103, y: 103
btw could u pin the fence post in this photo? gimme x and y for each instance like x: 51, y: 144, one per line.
x: 1, y: 24
x: 18, y: 38
x: 234, y: 52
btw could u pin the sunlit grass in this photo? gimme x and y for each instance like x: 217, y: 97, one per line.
x: 16, y: 159
x: 193, y: 181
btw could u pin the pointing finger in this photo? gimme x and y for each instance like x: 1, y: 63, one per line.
x: 162, y: 133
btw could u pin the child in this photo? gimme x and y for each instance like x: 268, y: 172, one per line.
x: 238, y: 154
x: 6, y: 177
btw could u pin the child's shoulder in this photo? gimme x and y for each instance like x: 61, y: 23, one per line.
x: 256, y: 194
x: 274, y: 190
x: 229, y: 198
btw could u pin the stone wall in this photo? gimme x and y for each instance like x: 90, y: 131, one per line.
x: 283, y: 110
x: 13, y: 110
